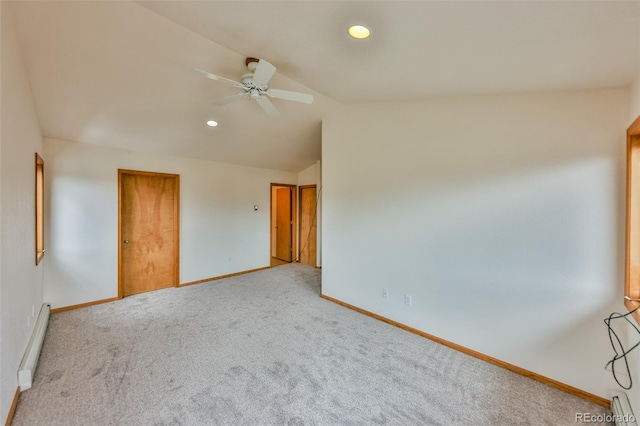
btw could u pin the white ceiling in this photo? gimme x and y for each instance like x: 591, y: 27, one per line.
x: 119, y: 73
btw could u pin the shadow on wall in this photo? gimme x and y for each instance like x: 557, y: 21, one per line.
x: 527, y: 243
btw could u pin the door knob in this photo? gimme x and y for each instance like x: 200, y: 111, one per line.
x: 126, y: 241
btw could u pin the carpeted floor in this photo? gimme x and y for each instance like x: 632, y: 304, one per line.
x: 265, y: 349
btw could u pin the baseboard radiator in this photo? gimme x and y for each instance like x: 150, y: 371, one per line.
x: 32, y: 353
x: 622, y: 411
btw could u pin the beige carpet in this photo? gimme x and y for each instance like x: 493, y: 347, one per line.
x: 265, y: 349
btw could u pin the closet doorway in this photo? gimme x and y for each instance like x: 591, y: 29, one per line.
x: 283, y: 223
x: 308, y: 230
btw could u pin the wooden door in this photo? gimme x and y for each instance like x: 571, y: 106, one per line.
x: 283, y: 224
x: 308, y: 235
x: 148, y: 229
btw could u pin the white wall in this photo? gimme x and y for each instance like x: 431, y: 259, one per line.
x: 502, y: 216
x: 312, y: 175
x: 217, y: 220
x: 635, y: 100
x: 20, y: 279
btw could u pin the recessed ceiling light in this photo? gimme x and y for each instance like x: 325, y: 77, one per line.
x: 212, y: 123
x: 358, y: 31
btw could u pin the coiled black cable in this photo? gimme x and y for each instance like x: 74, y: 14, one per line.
x: 622, y: 355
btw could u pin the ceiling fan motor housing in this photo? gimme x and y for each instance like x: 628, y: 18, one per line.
x: 251, y: 63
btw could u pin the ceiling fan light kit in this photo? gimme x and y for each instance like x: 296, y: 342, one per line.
x: 255, y: 86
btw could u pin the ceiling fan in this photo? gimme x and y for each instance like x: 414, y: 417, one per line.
x: 254, y: 86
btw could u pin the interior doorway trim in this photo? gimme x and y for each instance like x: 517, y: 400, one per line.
x: 176, y: 224
x: 632, y: 242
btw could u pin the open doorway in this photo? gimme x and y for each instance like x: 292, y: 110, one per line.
x: 283, y: 223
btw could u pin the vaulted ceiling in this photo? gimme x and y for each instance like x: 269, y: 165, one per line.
x: 120, y: 73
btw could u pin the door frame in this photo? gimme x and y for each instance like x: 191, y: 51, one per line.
x: 294, y: 221
x: 632, y: 245
x: 176, y: 223
x: 314, y: 219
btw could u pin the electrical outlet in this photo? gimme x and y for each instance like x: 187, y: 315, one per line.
x: 407, y: 299
x: 385, y: 293
x: 229, y: 259
x: 33, y: 310
x: 28, y: 321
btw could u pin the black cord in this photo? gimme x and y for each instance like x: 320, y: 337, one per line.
x: 623, y: 355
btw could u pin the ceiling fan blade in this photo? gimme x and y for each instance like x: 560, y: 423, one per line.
x: 290, y: 96
x: 263, y: 73
x: 267, y: 106
x: 218, y: 78
x: 231, y: 98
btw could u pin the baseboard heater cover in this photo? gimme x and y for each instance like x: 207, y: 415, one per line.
x: 622, y: 411
x: 32, y: 353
